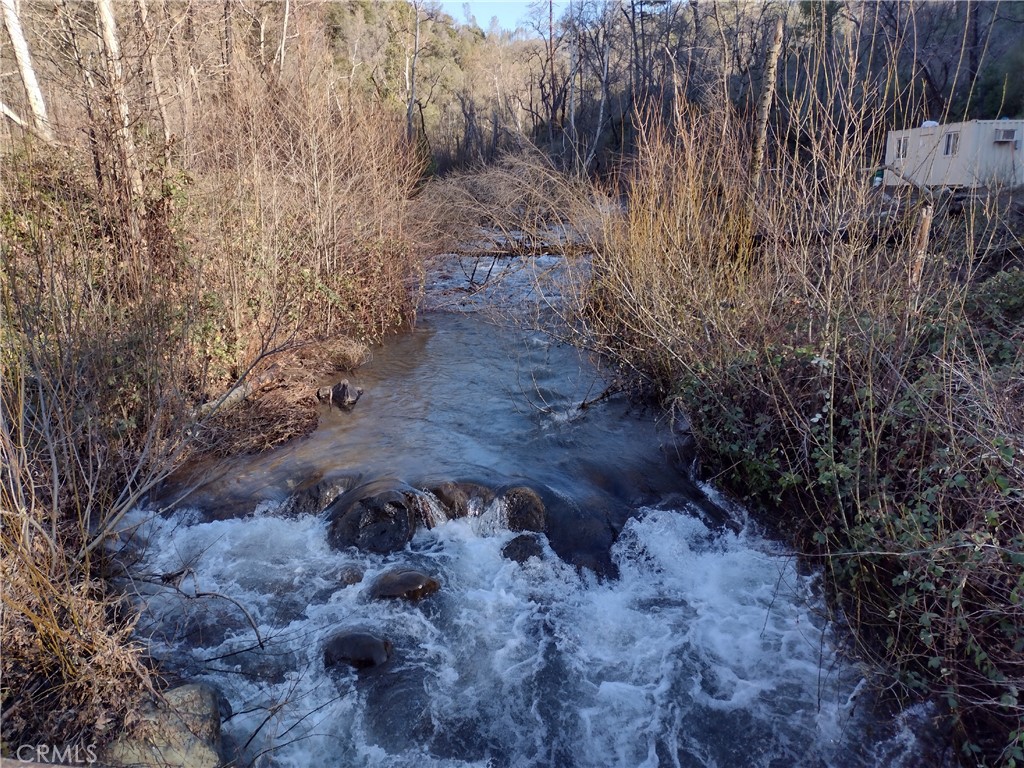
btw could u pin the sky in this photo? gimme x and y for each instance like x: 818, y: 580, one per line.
x: 510, y: 13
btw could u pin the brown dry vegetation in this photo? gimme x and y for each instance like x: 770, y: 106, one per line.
x: 856, y: 381
x: 859, y: 384
x: 850, y: 360
x: 270, y: 216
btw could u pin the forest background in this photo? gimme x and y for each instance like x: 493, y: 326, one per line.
x: 191, y: 192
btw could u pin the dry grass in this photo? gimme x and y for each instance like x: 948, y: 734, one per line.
x: 85, y: 428
x: 278, y: 401
x: 72, y: 672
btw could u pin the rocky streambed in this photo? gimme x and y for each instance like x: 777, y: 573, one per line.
x: 468, y: 568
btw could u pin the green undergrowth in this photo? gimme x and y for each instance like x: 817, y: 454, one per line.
x: 899, y: 461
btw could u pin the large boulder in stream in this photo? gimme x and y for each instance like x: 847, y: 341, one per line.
x: 404, y: 584
x: 380, y: 516
x: 358, y: 649
x: 524, y: 510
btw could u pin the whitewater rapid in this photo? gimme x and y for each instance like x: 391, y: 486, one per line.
x: 710, y: 649
x: 702, y: 642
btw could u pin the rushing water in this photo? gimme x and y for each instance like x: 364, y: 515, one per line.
x: 702, y: 643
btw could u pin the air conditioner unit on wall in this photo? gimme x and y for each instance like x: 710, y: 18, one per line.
x: 1005, y: 135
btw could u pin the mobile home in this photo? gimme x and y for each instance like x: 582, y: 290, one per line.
x: 979, y: 153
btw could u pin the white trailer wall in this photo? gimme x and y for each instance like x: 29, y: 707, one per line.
x: 957, y: 155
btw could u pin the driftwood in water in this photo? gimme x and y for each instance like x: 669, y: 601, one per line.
x: 524, y: 246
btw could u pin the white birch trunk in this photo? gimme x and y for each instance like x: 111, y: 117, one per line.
x: 410, y: 77
x: 28, y: 74
x: 284, y: 37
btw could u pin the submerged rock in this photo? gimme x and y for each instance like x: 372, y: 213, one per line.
x: 349, y: 575
x: 181, y: 731
x: 403, y: 583
x: 314, y: 496
x: 343, y: 395
x: 357, y: 649
x: 523, y: 547
x: 583, y: 541
x: 524, y: 509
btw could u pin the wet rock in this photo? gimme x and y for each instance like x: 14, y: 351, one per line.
x: 403, y: 583
x: 376, y: 517
x: 463, y: 499
x: 342, y: 395
x: 209, y: 624
x: 358, y: 649
x: 586, y: 542
x: 181, y: 731
x: 314, y: 496
x: 525, y: 509
x: 522, y: 548
x: 349, y: 575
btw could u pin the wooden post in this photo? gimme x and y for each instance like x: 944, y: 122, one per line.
x: 921, y: 239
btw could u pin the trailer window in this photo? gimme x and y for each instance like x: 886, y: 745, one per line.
x: 901, y: 147
x: 952, y: 143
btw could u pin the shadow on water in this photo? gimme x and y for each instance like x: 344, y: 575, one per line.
x: 460, y: 399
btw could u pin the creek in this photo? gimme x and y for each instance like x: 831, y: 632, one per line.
x: 658, y: 627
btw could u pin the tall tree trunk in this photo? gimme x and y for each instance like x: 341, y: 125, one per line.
x: 972, y: 53
x: 605, y: 60
x: 695, y: 48
x: 155, y: 79
x: 125, y: 141
x: 284, y: 38
x: 410, y: 77
x: 761, y: 134
x: 574, y: 58
x: 90, y: 91
x: 40, y: 120
x: 227, y: 55
x: 764, y: 107
x: 551, y: 67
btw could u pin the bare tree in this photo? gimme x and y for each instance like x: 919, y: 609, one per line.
x: 124, y: 141
x: 154, y: 74
x: 40, y: 121
x: 411, y: 59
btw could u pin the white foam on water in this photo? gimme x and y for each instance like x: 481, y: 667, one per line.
x: 711, y: 649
